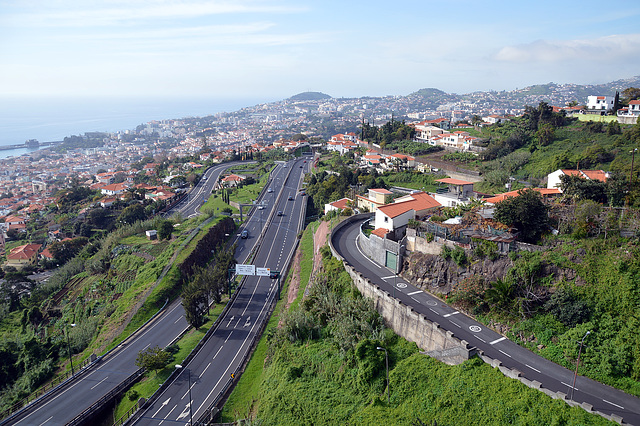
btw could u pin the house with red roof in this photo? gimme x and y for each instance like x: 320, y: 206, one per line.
x: 630, y: 114
x: 341, y: 204
x: 394, y: 217
x: 22, y: 256
x: 114, y: 189
x: 232, y: 180
x: 553, y: 178
x: 600, y: 104
x: 454, y: 192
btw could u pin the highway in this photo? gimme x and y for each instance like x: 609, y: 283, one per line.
x: 61, y: 406
x: 603, y: 398
x: 203, y: 380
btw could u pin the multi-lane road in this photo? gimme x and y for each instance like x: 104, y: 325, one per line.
x: 603, y: 398
x: 61, y: 406
x: 206, y: 377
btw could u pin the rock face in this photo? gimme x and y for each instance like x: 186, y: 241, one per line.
x: 434, y: 273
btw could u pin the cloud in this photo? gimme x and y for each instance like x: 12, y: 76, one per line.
x: 610, y: 48
x: 105, y: 14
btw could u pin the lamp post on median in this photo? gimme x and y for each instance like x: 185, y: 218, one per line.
x: 186, y: 370
x: 386, y: 359
x: 575, y: 376
x: 66, y: 332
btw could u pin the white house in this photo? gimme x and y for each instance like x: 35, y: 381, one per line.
x: 600, y: 103
x: 630, y: 114
x: 553, y: 178
x: 394, y: 217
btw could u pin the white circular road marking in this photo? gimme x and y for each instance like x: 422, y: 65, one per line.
x: 401, y: 285
x: 432, y: 303
x: 475, y: 328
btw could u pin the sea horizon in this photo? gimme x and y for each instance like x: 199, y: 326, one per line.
x: 50, y: 119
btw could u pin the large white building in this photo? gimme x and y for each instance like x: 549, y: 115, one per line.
x: 600, y: 103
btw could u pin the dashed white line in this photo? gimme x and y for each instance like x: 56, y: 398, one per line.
x: 452, y: 313
x: 434, y: 311
x: 98, y: 384
x: 497, y: 340
x: 45, y: 421
x: 504, y: 353
x: 534, y: 369
x: 228, y: 337
x: 568, y: 385
x: 414, y: 292
x: 386, y: 278
x: 615, y: 405
x: 480, y: 338
x: 414, y: 299
x: 455, y: 324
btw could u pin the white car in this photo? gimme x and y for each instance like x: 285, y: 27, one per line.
x: 260, y: 207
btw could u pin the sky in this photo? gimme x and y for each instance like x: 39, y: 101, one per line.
x: 273, y: 49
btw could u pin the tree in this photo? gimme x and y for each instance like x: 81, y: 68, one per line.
x: 62, y: 251
x: 526, y: 212
x: 583, y: 189
x: 545, y: 134
x: 153, y: 358
x: 165, y: 229
x: 630, y: 94
x: 132, y: 214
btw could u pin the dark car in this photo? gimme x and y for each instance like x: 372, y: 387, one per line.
x: 244, y: 234
x: 290, y: 198
x: 280, y: 213
x: 300, y: 165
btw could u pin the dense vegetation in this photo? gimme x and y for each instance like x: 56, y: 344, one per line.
x: 322, y: 366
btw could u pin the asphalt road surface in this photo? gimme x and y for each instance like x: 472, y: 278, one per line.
x: 603, y: 398
x: 208, y: 374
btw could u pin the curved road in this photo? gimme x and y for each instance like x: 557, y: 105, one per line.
x: 603, y: 398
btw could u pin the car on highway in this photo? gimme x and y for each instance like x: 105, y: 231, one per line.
x: 300, y: 165
x: 270, y: 190
x: 290, y: 198
x: 280, y: 213
x: 261, y: 207
x: 244, y: 235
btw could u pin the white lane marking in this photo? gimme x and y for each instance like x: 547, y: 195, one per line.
x: 161, y: 407
x: 145, y: 348
x: 455, y: 324
x: 534, y: 369
x: 566, y: 384
x: 389, y: 277
x: 228, y: 337
x: 452, y: 313
x: 616, y: 405
x: 168, y: 414
x: 414, y: 299
x: 98, y: 384
x: 45, y: 421
x: 205, y: 369
x: 497, y: 340
x: 214, y: 357
x: 504, y: 353
x: 414, y: 292
x: 434, y: 311
x: 480, y: 338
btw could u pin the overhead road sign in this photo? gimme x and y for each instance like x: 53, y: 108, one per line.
x: 245, y: 269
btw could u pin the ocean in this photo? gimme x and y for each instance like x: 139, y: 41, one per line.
x: 51, y: 119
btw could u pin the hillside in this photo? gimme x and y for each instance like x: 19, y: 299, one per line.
x: 309, y: 96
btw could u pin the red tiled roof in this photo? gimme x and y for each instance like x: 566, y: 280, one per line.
x: 23, y: 252
x: 380, y: 232
x: 421, y: 201
x: 454, y: 181
x: 341, y: 204
x: 501, y: 197
x: 381, y: 191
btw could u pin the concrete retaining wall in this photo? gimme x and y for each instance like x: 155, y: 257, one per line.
x: 406, y: 322
x: 376, y: 249
x: 534, y: 384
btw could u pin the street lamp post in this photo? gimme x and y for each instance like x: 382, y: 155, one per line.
x: 395, y: 276
x: 186, y: 370
x: 386, y: 359
x: 575, y: 376
x: 66, y: 329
